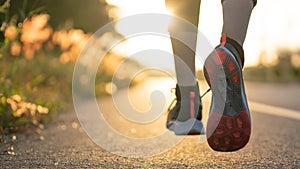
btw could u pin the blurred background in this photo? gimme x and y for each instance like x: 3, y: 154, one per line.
x: 40, y: 41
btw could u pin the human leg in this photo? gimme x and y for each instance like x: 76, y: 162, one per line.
x: 185, y: 117
x: 236, y: 15
x: 184, y: 38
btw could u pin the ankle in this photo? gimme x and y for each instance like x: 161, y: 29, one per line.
x: 225, y: 40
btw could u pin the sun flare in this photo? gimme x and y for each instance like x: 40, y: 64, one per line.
x: 268, y: 29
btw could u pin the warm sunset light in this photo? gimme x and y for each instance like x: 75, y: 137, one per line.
x: 133, y: 45
x: 97, y: 84
x: 268, y: 29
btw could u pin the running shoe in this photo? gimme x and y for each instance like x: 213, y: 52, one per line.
x: 185, y: 117
x: 229, y: 122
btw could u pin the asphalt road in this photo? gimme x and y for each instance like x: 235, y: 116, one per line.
x: 274, y: 143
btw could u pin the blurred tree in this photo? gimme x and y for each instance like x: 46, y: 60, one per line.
x: 88, y: 15
x: 285, y: 67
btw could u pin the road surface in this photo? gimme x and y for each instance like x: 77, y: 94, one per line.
x: 274, y: 143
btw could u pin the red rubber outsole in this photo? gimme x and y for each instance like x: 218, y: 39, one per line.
x: 230, y: 134
x: 226, y: 133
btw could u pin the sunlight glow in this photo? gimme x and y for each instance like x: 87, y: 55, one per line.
x: 276, y: 27
x: 131, y: 7
x: 137, y: 44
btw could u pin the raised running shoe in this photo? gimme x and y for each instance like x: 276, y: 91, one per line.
x: 229, y: 123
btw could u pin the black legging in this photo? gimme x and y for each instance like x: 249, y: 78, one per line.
x: 254, y: 2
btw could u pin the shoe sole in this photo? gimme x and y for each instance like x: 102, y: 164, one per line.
x: 226, y: 131
x: 189, y: 127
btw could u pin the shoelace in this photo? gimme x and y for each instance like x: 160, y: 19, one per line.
x: 205, y: 93
x: 172, y: 91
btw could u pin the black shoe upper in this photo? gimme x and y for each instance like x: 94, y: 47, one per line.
x: 181, y: 110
